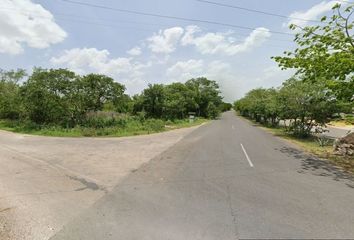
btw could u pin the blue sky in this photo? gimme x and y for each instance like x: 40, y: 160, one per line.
x: 136, y: 50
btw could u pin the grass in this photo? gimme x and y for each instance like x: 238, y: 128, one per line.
x: 311, y: 146
x: 341, y: 123
x: 131, y: 128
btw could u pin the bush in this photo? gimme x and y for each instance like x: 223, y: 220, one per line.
x: 349, y: 119
x: 154, y: 125
x: 212, y: 111
x: 106, y: 119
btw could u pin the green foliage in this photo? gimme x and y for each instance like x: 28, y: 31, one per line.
x: 176, y: 100
x: 47, y: 94
x: 308, y: 105
x: 153, y: 99
x: 205, y: 91
x: 61, y: 97
x: 325, y: 52
x: 97, y: 89
x: 59, y: 102
x: 154, y: 125
x: 10, y: 102
x: 260, y: 104
x: 305, y: 106
x: 349, y: 119
x: 224, y: 107
x: 212, y: 111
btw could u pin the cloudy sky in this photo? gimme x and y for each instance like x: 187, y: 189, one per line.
x: 138, y: 46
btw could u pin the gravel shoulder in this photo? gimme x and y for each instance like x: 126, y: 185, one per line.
x: 47, y: 181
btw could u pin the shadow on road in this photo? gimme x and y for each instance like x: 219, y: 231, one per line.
x: 319, y: 167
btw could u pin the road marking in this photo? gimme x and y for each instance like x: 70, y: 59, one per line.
x: 248, y: 158
x: 233, y: 127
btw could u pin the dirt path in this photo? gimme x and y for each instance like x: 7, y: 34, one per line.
x: 46, y: 181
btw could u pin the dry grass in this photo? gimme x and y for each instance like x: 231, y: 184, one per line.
x: 311, y: 146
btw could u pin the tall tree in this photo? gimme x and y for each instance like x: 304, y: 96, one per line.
x: 178, y: 98
x: 205, y: 91
x: 45, y: 95
x: 153, y: 99
x: 325, y: 51
x: 10, y: 102
x: 97, y: 89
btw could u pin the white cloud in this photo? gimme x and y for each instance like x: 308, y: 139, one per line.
x: 233, y: 84
x: 188, y: 37
x: 165, y: 41
x: 184, y: 70
x: 311, y: 14
x: 24, y: 22
x: 135, y: 51
x: 222, y: 43
x: 273, y: 76
x: 86, y: 60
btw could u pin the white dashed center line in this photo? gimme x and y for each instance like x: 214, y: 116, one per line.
x: 248, y: 158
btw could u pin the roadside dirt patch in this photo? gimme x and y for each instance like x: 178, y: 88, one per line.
x: 47, y: 181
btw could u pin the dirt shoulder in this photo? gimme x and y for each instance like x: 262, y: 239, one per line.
x: 46, y: 181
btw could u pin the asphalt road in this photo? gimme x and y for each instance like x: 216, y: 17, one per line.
x: 337, y: 132
x: 225, y: 180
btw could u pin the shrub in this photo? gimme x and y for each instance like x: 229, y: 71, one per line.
x: 154, y: 125
x: 349, y: 119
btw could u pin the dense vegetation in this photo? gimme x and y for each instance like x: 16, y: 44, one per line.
x: 95, y: 104
x: 323, y: 85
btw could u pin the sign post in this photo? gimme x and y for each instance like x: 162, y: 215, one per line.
x: 191, y: 117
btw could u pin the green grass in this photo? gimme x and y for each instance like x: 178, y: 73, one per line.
x: 342, y: 123
x: 130, y: 129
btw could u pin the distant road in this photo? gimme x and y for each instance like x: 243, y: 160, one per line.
x: 225, y: 180
x: 337, y: 132
x: 334, y: 132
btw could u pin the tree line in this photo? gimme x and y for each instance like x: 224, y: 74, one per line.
x: 61, y: 97
x: 323, y: 84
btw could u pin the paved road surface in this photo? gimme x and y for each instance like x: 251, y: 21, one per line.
x: 337, y: 132
x: 205, y: 187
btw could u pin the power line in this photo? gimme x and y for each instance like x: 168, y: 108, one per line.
x: 171, y: 17
x: 256, y: 11
x: 103, y: 22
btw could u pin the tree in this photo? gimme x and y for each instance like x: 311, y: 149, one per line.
x: 46, y: 95
x: 10, y: 102
x: 59, y: 96
x: 97, y: 89
x: 225, y: 107
x: 204, y: 91
x: 178, y: 98
x: 254, y: 104
x: 123, y: 104
x: 153, y: 100
x: 325, y: 52
x: 272, y: 109
x: 307, y: 105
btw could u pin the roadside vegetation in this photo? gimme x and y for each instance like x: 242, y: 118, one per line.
x: 58, y: 102
x: 312, y: 145
x: 321, y: 91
